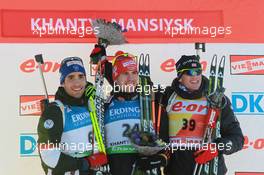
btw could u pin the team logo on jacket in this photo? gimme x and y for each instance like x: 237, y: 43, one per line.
x: 48, y: 124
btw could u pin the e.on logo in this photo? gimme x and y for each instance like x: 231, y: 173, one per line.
x: 30, y: 65
x: 199, y: 107
x: 169, y: 65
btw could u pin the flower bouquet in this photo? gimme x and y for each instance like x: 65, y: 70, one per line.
x: 146, y: 143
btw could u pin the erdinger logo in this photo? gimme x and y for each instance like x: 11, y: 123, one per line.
x: 248, y: 103
x: 119, y: 111
x: 30, y: 104
x: 247, y: 64
x: 30, y: 65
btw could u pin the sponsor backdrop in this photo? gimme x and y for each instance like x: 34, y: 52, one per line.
x: 21, y: 90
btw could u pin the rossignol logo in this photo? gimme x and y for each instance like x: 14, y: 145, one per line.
x: 195, y: 107
x: 247, y: 64
x: 30, y: 65
x: 248, y: 103
x: 30, y: 104
x: 169, y: 65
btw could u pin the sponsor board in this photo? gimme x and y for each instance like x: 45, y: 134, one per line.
x: 256, y: 144
x: 169, y: 65
x: 30, y: 65
x: 30, y: 104
x: 77, y: 24
x: 247, y: 64
x: 28, y: 145
x: 248, y: 103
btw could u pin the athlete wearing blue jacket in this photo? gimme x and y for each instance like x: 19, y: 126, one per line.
x: 65, y: 128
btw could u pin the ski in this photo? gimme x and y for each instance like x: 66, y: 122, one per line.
x: 213, y: 165
x: 145, y: 94
x: 147, y: 103
x: 214, y: 96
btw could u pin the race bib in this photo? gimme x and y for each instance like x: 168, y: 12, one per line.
x: 187, y: 121
x: 121, y: 118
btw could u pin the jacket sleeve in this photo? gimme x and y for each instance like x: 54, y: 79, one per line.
x: 50, y: 128
x: 230, y: 129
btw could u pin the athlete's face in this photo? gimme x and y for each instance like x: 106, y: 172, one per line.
x: 74, y: 84
x: 127, y: 81
x: 191, y: 82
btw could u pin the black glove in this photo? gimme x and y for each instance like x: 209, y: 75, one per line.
x: 97, y: 54
x: 151, y: 162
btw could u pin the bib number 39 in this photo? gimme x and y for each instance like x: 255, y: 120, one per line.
x: 188, y: 124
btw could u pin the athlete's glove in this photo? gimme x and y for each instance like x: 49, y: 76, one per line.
x: 89, y: 92
x: 151, y: 162
x: 98, y: 54
x: 94, y: 161
x: 206, y: 153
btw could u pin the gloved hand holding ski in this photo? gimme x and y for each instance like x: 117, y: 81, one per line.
x: 206, y: 154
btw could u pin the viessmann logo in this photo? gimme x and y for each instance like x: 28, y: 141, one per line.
x: 30, y: 104
x: 247, y: 64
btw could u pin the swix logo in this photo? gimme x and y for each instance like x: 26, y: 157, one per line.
x: 248, y: 103
x: 194, y: 107
x: 247, y: 64
x: 169, y: 65
x: 30, y: 104
x: 28, y: 145
x: 30, y: 65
